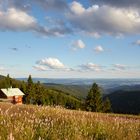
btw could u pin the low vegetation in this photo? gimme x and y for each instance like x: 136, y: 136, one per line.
x: 31, y: 122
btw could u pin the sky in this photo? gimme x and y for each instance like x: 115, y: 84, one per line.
x: 70, y: 39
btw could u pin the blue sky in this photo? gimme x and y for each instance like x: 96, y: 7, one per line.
x: 70, y: 39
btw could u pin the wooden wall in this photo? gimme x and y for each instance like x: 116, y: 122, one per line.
x: 11, y: 99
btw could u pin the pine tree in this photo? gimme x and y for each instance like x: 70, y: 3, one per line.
x: 107, y: 106
x: 94, y: 99
x: 8, y: 82
x: 30, y: 81
x: 30, y: 93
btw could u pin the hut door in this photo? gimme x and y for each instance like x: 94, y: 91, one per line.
x: 15, y: 99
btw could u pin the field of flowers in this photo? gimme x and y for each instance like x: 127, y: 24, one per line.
x: 28, y: 122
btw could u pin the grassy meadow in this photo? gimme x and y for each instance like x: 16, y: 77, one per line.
x: 28, y: 122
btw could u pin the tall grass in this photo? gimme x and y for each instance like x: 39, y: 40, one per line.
x: 27, y: 122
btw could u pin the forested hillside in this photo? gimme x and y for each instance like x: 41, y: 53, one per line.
x: 36, y: 93
x: 125, y: 101
x: 79, y: 91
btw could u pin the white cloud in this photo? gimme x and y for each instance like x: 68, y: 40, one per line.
x: 78, y: 44
x: 77, y: 8
x: 14, y: 19
x: 52, y: 63
x: 47, y: 64
x: 120, y: 67
x: 98, y: 49
x: 119, y: 3
x: 90, y: 67
x: 94, y: 21
x: 40, y: 68
x: 104, y: 19
x: 92, y: 34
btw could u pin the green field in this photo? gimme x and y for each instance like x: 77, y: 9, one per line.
x: 29, y: 122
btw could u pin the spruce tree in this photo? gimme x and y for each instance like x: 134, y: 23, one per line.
x: 107, y: 105
x: 30, y: 81
x: 8, y: 82
x: 30, y: 93
x: 94, y: 99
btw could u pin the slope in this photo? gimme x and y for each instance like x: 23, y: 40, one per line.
x: 125, y: 101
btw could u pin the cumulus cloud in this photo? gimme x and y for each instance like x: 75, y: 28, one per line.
x: 77, y: 8
x: 78, y: 44
x: 96, y: 20
x: 90, y: 67
x: 118, y: 3
x: 14, y: 17
x: 98, y: 49
x: 119, y: 67
x: 92, y: 34
x: 52, y: 63
x: 40, y: 68
x: 16, y: 20
x: 104, y: 19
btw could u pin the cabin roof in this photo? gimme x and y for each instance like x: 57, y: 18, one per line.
x: 12, y: 92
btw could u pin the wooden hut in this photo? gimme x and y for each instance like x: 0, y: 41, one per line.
x: 12, y: 95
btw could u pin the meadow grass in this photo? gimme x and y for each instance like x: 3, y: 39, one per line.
x: 28, y: 122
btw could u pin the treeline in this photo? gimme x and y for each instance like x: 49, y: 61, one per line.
x: 37, y: 93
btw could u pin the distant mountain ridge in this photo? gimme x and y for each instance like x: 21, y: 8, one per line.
x: 81, y: 81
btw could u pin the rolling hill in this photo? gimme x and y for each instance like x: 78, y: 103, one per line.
x: 36, y: 93
x: 79, y: 91
x: 124, y: 101
x: 124, y: 98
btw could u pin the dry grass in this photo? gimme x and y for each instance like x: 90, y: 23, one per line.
x: 27, y: 122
